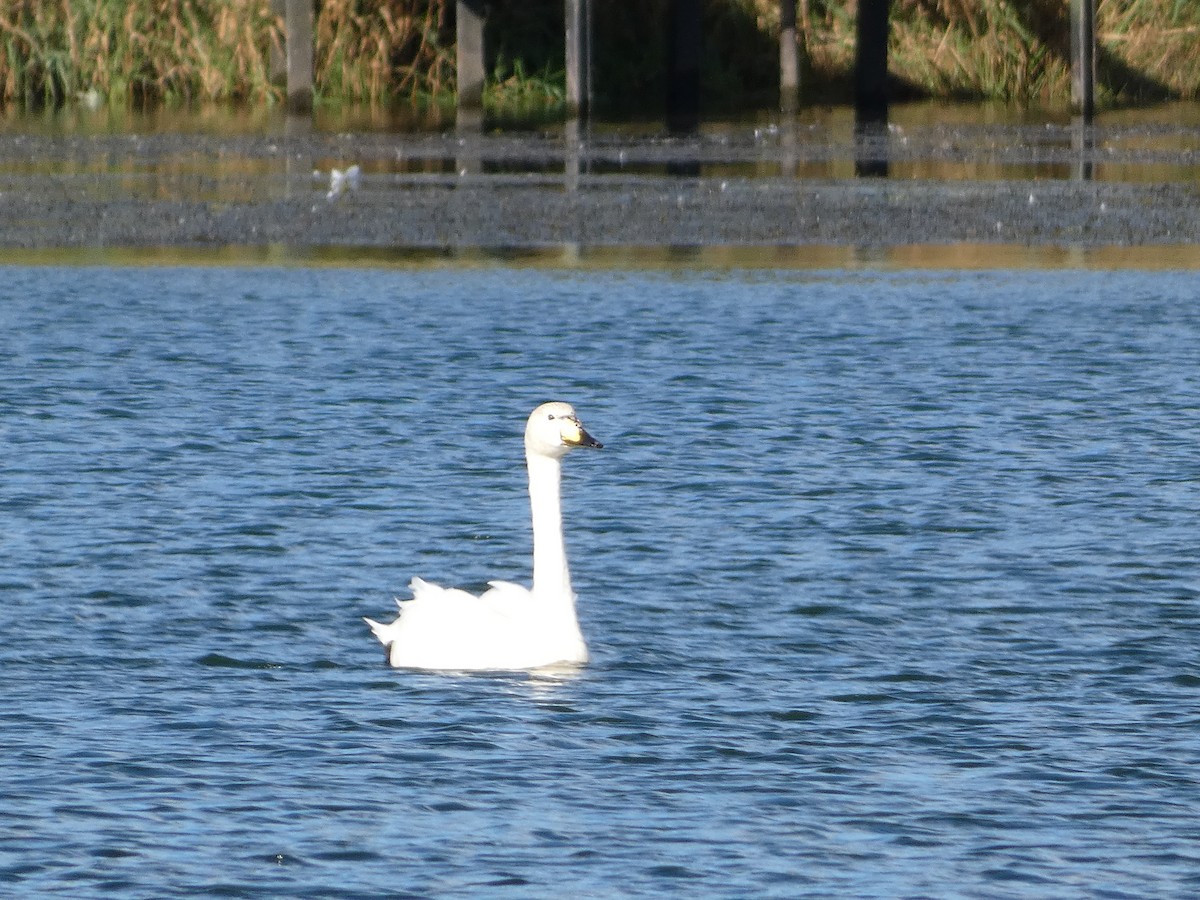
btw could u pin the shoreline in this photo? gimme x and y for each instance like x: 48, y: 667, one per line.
x: 748, y: 188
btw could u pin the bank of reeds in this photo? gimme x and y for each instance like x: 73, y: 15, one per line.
x: 1015, y: 50
x: 144, y: 50
x: 378, y: 52
x: 138, y: 51
x: 149, y: 51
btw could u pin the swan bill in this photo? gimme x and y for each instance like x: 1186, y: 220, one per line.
x: 576, y: 436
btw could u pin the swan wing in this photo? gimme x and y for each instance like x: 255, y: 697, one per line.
x: 451, y: 629
x: 446, y: 628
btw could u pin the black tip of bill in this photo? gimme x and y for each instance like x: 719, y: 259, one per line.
x: 586, y: 440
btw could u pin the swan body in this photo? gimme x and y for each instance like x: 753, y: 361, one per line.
x: 509, y: 626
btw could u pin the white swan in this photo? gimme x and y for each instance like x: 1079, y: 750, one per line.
x: 509, y: 627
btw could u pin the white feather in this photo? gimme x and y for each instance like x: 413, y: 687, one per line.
x: 509, y: 626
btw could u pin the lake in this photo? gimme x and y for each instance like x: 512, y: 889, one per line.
x: 889, y: 578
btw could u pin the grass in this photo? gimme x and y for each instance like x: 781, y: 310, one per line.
x: 512, y: 92
x: 378, y: 52
x: 55, y: 50
x: 1014, y: 50
x: 136, y: 52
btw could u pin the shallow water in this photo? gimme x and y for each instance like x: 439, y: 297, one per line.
x: 222, y: 154
x: 889, y: 578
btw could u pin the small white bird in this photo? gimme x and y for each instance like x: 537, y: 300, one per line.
x: 509, y: 626
x: 340, y: 182
x: 91, y: 99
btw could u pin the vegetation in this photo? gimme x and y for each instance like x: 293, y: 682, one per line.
x: 380, y: 51
x: 1015, y: 50
x: 130, y: 52
x: 136, y: 52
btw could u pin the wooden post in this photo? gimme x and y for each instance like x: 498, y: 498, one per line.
x: 870, y: 87
x: 468, y: 122
x: 469, y: 54
x: 1083, y: 58
x: 871, y: 62
x: 1083, y: 144
x: 683, y: 66
x: 298, y: 28
x: 789, y: 58
x: 572, y: 167
x: 577, y: 15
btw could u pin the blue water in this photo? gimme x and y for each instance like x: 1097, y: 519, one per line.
x: 890, y: 581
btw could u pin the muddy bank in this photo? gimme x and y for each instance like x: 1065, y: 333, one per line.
x: 753, y: 187
x: 645, y: 212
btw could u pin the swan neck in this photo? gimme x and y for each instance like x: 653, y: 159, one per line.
x: 551, y: 578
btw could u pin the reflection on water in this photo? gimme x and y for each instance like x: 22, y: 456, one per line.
x: 924, y: 141
x: 217, y: 177
x: 963, y: 256
x: 221, y: 120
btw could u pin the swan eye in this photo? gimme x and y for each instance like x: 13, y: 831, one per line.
x: 550, y: 416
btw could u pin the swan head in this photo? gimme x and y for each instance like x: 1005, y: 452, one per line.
x: 553, y: 429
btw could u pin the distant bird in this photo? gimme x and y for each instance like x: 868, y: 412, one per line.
x: 91, y: 99
x: 340, y: 182
x: 509, y: 626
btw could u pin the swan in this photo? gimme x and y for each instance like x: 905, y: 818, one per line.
x: 509, y: 626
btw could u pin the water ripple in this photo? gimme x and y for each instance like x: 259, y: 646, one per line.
x: 888, y: 579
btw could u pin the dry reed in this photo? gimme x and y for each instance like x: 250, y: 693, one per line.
x: 380, y: 51
x: 135, y: 52
x: 1015, y: 50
